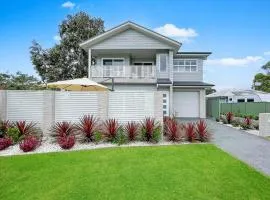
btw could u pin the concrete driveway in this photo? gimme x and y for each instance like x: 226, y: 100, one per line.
x: 249, y: 148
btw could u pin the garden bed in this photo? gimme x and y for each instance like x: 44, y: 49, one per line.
x: 91, y: 133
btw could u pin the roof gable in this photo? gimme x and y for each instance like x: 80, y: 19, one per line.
x: 139, y: 33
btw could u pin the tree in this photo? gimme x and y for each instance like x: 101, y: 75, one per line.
x: 209, y: 91
x: 66, y: 60
x: 19, y: 81
x: 262, y: 81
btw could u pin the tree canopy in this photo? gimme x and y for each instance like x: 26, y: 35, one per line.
x: 66, y: 60
x: 262, y: 81
x: 19, y: 81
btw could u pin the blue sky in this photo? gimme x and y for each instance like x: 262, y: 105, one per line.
x: 236, y: 31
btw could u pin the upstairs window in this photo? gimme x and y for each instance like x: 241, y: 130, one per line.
x: 180, y: 65
x: 163, y: 60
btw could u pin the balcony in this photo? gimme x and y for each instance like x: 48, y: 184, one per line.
x: 122, y: 71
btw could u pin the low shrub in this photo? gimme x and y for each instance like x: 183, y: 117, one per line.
x: 229, y: 117
x: 66, y: 142
x: 29, y: 143
x: 190, y: 132
x: 14, y: 133
x: 4, y: 125
x: 5, y: 142
x: 131, y: 129
x: 156, y: 134
x: 173, y: 131
x: 201, y: 129
x: 86, y: 127
x: 217, y: 119
x: 111, y: 127
x: 149, y: 126
x: 256, y: 126
x: 120, y: 138
x: 236, y: 123
x: 97, y: 136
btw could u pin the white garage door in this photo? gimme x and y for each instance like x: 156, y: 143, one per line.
x: 186, y: 104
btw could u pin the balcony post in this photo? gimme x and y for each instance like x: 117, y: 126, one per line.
x: 89, y: 63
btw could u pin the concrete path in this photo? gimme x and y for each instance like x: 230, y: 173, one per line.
x: 249, y: 148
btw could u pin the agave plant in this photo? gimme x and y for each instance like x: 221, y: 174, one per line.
x: 149, y: 125
x: 131, y: 129
x: 173, y: 131
x: 87, y: 127
x: 111, y: 127
x: 190, y: 132
x: 229, y: 117
x: 201, y: 128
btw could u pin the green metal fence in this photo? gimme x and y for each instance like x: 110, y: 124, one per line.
x: 214, y: 108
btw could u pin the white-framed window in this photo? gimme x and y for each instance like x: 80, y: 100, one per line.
x: 163, y: 62
x: 113, y: 67
x: 185, y: 65
x: 165, y: 107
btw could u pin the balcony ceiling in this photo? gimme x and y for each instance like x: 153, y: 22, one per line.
x: 134, y: 53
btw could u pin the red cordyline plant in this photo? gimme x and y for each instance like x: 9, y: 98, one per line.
x: 66, y: 142
x: 65, y: 134
x: 248, y: 121
x: 26, y: 128
x: 201, y: 128
x: 173, y: 131
x: 229, y: 117
x: 131, y: 129
x: 148, y: 127
x: 87, y: 126
x: 5, y: 142
x: 166, y: 121
x: 190, y: 132
x: 29, y: 143
x: 111, y: 127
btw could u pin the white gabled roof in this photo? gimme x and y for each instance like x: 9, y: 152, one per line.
x: 125, y: 26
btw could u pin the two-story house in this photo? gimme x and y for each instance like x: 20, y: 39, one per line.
x: 139, y: 59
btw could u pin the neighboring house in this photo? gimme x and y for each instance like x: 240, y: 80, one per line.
x: 139, y: 59
x: 236, y: 96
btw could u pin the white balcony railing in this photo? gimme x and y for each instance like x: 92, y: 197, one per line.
x: 129, y: 71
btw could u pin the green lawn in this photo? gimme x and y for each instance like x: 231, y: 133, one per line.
x: 171, y: 172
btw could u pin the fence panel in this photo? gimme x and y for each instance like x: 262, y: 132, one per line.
x: 212, y: 107
x: 25, y: 105
x: 126, y: 106
x: 255, y: 108
x: 70, y: 106
x: 225, y: 107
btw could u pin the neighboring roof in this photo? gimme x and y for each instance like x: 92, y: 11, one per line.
x: 194, y: 54
x: 125, y: 26
x: 192, y: 83
x: 240, y: 92
x: 164, y: 81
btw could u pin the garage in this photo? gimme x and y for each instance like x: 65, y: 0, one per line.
x: 186, y: 104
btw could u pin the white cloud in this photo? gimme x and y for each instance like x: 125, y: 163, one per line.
x: 181, y: 34
x: 68, y: 4
x: 57, y: 38
x: 234, y: 61
x: 267, y: 53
